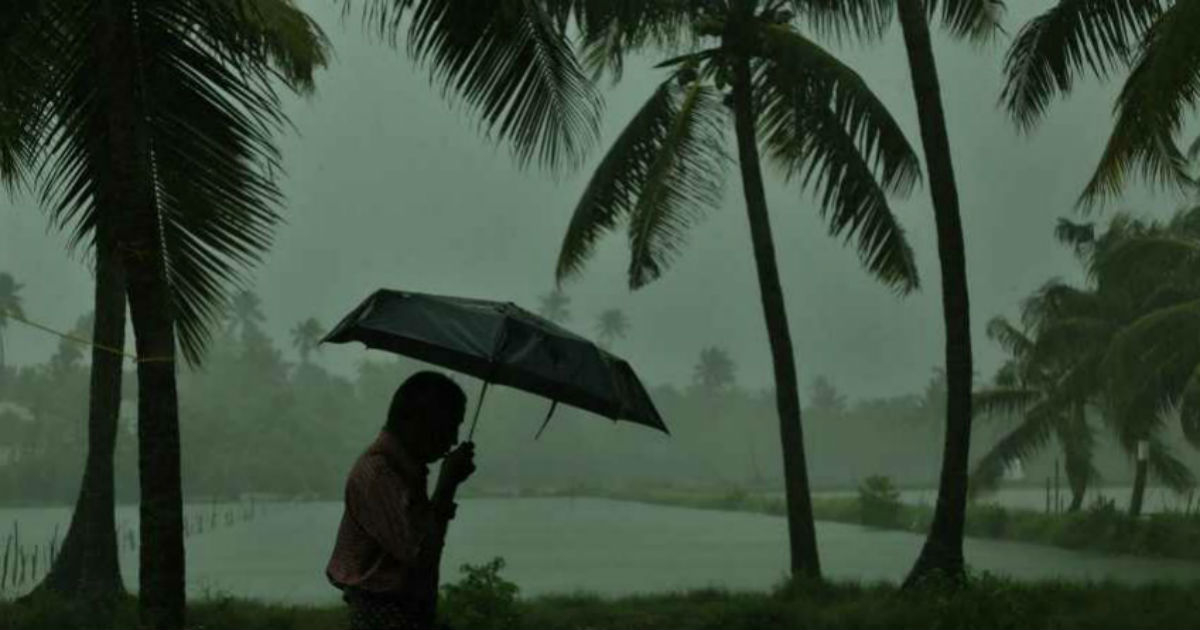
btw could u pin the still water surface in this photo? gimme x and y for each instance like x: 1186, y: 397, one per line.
x: 596, y: 545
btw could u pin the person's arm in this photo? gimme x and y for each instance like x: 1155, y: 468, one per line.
x: 382, y: 507
x: 456, y: 468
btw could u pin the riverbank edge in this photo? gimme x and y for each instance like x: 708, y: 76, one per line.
x: 1101, y: 528
x: 986, y: 602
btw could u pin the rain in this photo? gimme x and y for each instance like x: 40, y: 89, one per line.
x: 841, y: 373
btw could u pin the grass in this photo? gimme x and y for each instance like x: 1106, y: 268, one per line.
x: 986, y: 602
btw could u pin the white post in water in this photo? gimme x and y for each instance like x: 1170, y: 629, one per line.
x: 1143, y: 450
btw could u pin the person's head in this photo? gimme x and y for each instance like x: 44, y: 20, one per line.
x: 426, y: 413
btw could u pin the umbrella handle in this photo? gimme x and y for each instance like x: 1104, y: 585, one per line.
x: 553, y: 404
x: 478, y: 406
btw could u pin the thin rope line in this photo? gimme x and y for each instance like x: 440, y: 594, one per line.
x: 8, y: 314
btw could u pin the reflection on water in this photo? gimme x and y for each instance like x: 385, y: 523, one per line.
x: 608, y: 547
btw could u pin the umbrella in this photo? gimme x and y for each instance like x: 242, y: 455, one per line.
x: 499, y: 342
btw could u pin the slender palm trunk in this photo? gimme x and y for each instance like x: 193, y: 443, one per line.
x: 1139, y: 488
x: 1078, y: 454
x: 161, y: 578
x: 802, y: 535
x: 1077, y: 480
x: 87, y: 567
x: 942, y: 553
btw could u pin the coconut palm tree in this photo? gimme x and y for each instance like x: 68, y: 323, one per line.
x: 1101, y: 347
x: 825, y: 398
x: 942, y: 552
x: 1027, y: 386
x: 554, y: 306
x: 306, y: 337
x: 714, y: 371
x: 1100, y: 37
x: 612, y: 325
x: 245, y: 313
x: 970, y: 19
x: 151, y: 139
x: 1153, y: 365
x: 10, y: 305
x: 1047, y: 382
x: 745, y: 65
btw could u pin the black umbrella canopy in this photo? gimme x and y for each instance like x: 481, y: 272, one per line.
x: 499, y: 342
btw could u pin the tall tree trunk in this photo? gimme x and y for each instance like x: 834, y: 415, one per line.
x: 1077, y: 449
x: 1077, y: 479
x: 942, y: 553
x: 1139, y: 487
x: 87, y: 568
x: 802, y: 535
x: 161, y: 559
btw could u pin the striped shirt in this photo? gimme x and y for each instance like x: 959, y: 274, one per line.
x: 389, y: 541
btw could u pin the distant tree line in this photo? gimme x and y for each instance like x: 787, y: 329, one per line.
x: 259, y: 418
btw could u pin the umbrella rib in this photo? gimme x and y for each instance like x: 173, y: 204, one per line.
x: 478, y: 406
x: 553, y: 404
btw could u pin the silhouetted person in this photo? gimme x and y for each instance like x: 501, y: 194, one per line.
x: 389, y: 544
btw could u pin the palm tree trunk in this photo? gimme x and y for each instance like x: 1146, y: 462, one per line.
x: 87, y: 568
x: 942, y: 553
x: 1078, y: 454
x: 802, y: 534
x: 161, y: 561
x: 1139, y: 488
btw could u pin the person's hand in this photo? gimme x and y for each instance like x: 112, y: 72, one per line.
x: 457, y: 467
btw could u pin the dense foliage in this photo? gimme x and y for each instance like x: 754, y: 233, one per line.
x: 260, y: 419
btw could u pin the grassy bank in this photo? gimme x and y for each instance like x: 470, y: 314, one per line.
x: 1101, y: 527
x: 985, y: 603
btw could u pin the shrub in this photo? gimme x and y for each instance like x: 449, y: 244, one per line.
x: 879, y: 502
x: 990, y: 520
x: 481, y: 599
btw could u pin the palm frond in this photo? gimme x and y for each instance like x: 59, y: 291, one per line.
x: 1163, y: 86
x: 1057, y: 300
x: 214, y: 112
x: 1146, y: 257
x: 1080, y: 237
x: 976, y: 20
x: 508, y: 60
x: 619, y: 180
x: 1034, y: 432
x: 1003, y: 401
x: 860, y: 19
x: 823, y: 125
x: 275, y: 30
x: 1008, y: 374
x: 27, y: 38
x: 1074, y: 36
x: 1189, y: 408
x: 1168, y: 469
x: 1154, y: 351
x: 611, y: 30
x: 683, y: 180
x: 1081, y: 381
x: 1014, y: 341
